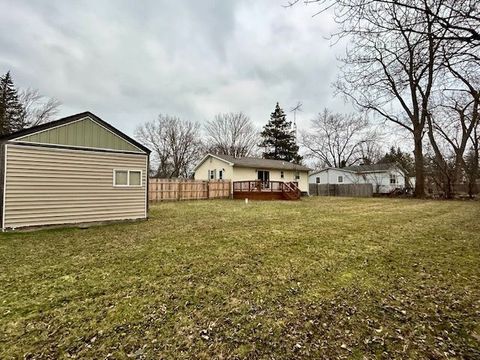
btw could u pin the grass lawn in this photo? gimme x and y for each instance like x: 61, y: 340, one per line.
x: 319, y: 278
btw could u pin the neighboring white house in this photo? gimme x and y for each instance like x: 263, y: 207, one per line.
x: 383, y: 177
x: 225, y: 167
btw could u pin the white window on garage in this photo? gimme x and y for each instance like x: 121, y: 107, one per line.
x: 134, y: 178
x: 393, y: 179
x: 127, y: 177
x: 340, y: 179
x: 317, y: 180
x: 121, y: 177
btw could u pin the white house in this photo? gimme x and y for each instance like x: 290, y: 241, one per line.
x: 225, y: 167
x: 383, y: 177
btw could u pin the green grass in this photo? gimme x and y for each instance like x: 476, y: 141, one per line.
x: 318, y: 278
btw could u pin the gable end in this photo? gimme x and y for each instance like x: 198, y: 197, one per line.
x: 79, y: 131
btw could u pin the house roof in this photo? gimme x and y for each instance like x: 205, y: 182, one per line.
x: 331, y: 168
x: 363, y: 168
x: 258, y: 163
x: 70, y: 119
x: 371, y: 167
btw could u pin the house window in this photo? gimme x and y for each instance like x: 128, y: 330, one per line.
x: 317, y: 180
x: 393, y: 179
x: 220, y: 174
x: 211, y: 174
x: 297, y: 176
x: 340, y: 179
x: 127, y: 177
x: 282, y: 175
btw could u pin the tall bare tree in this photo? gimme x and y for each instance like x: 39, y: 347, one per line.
x: 338, y: 140
x: 472, y: 164
x: 176, y: 145
x: 455, y: 118
x: 37, y: 109
x: 459, y: 18
x: 451, y: 131
x: 231, y: 134
x: 397, y: 49
x: 390, y: 65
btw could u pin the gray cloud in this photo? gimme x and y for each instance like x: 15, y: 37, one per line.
x: 127, y: 61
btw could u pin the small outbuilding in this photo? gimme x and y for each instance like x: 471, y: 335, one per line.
x: 78, y: 169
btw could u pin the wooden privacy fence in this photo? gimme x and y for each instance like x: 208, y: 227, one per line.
x: 177, y: 189
x: 354, y: 190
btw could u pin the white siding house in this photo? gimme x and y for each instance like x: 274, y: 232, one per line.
x: 383, y: 177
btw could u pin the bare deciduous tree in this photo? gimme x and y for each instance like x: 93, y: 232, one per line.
x: 176, y: 145
x: 472, y: 164
x: 231, y: 134
x: 37, y: 109
x: 338, y: 140
x: 453, y: 121
x: 451, y: 129
x: 396, y: 51
x: 459, y: 18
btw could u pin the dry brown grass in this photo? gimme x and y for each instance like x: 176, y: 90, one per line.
x: 319, y: 278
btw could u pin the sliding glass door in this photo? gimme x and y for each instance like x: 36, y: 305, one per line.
x: 264, y: 177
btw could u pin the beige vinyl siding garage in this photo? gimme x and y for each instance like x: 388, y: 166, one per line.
x: 47, y: 186
x: 78, y: 169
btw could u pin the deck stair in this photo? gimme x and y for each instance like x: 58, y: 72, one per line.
x: 290, y: 191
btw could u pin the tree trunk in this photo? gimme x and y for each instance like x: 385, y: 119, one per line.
x: 419, y: 167
x: 474, y: 172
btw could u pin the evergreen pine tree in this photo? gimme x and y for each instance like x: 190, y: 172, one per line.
x: 11, y: 110
x: 397, y: 156
x: 279, y: 138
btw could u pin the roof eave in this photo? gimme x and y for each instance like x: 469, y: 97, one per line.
x: 301, y: 168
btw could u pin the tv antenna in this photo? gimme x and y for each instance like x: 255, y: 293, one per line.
x: 296, y: 108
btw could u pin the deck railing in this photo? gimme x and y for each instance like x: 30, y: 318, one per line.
x: 259, y: 185
x: 288, y: 189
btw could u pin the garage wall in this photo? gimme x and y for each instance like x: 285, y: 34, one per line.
x: 46, y: 186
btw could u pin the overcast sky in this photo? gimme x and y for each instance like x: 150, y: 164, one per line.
x: 128, y: 61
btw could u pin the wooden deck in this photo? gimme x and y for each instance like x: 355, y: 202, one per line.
x: 266, y: 190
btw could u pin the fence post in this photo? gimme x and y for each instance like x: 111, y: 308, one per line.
x: 179, y: 190
x: 208, y: 189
